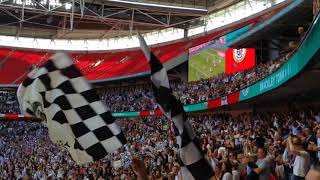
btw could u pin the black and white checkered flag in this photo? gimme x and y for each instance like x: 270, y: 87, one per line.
x: 76, y: 118
x: 194, y: 164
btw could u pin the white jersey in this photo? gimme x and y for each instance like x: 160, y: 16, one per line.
x: 227, y: 176
x: 301, y: 164
x: 318, y: 145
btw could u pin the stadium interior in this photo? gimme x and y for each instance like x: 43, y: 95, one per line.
x: 159, y: 89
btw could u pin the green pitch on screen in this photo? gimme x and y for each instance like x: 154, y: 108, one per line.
x: 205, y: 64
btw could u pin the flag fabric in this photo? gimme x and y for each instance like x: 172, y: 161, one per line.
x: 238, y: 60
x: 194, y: 165
x: 224, y: 101
x: 76, y: 119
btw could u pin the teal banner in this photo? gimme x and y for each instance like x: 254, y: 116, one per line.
x: 236, y: 33
x: 126, y: 114
x: 272, y: 81
x: 196, y: 107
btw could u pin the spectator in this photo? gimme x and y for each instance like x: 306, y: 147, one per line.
x: 301, y: 32
x: 314, y: 173
x: 250, y: 174
x: 310, y: 144
x: 227, y: 170
x: 301, y: 162
x: 316, y: 7
x: 280, y: 169
x: 231, y: 143
x: 318, y: 145
x: 263, y: 164
x: 235, y: 172
x: 139, y: 169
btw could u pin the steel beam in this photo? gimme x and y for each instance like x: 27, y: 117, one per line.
x: 72, y: 15
x: 151, y: 17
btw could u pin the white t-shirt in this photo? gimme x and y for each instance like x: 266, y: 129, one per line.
x: 237, y: 140
x: 214, y: 162
x: 177, y: 177
x: 275, y: 123
x: 294, y: 130
x: 317, y: 118
x: 170, y: 158
x: 227, y: 176
x: 235, y: 175
x: 279, y: 170
x: 318, y: 144
x: 301, y: 164
x: 60, y: 173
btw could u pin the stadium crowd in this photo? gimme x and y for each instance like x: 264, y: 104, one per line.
x: 266, y: 145
x: 139, y: 98
x: 8, y: 102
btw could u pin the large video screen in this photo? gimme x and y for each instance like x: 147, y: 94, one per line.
x: 207, y: 60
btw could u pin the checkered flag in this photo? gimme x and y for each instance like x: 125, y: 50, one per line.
x: 76, y: 118
x: 194, y: 164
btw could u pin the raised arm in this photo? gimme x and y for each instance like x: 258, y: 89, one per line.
x: 293, y: 149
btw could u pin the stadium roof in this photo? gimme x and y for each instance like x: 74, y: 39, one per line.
x: 41, y: 31
x: 282, y: 26
x: 73, y: 19
x: 105, y: 66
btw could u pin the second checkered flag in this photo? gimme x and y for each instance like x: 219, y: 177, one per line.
x: 193, y: 163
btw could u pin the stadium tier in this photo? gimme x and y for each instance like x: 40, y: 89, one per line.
x: 136, y: 101
x: 237, y: 102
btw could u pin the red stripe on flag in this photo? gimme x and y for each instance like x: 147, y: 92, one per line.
x: 11, y: 115
x: 233, y: 98
x: 144, y: 113
x: 158, y: 112
x: 214, y: 103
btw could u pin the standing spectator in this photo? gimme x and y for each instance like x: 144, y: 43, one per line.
x: 318, y: 145
x: 316, y: 7
x: 227, y: 170
x: 250, y: 174
x: 263, y: 164
x: 235, y: 172
x: 301, y: 162
x: 314, y: 173
x: 27, y: 152
x: 301, y: 32
x: 280, y: 169
x: 309, y: 144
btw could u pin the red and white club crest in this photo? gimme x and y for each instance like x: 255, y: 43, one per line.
x: 239, y: 54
